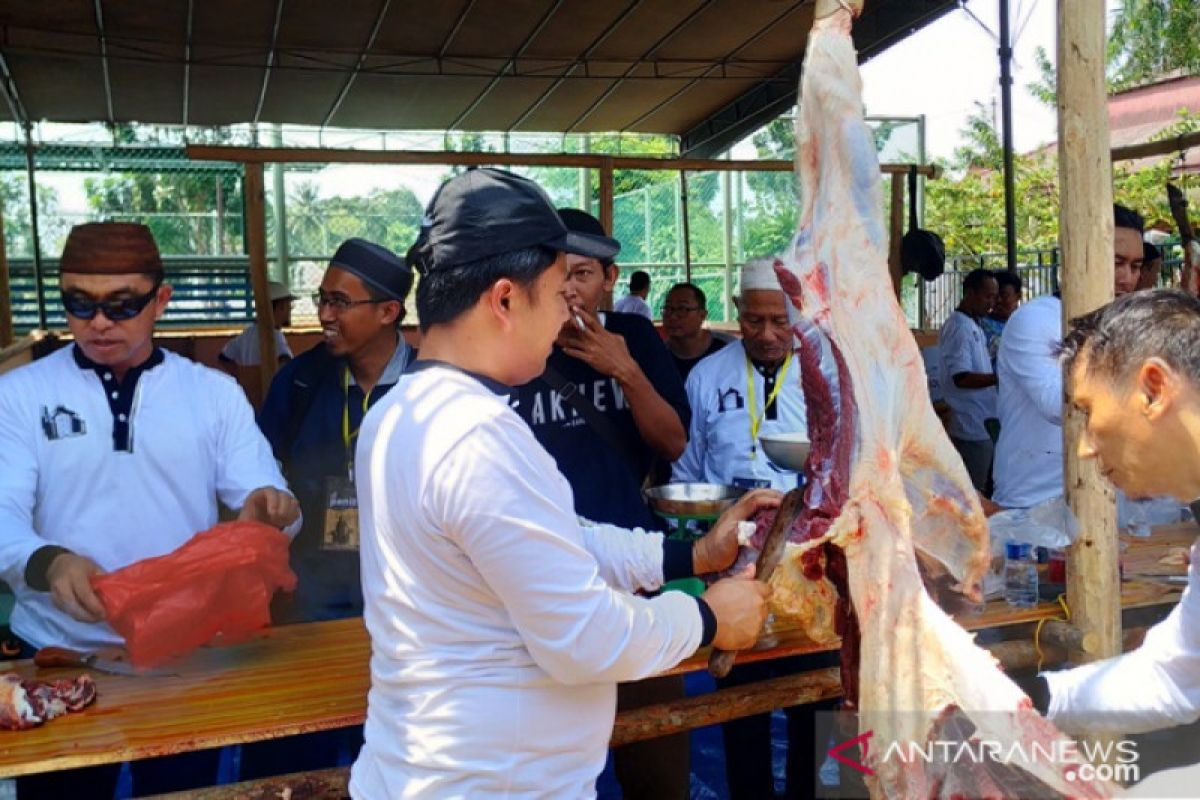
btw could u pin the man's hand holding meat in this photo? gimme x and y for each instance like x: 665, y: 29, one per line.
x: 718, y: 549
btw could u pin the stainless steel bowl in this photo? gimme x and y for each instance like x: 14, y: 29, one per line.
x: 694, y: 500
x: 786, y: 450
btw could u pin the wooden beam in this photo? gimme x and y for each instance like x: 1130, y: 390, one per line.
x: 256, y: 246
x: 1160, y: 147
x: 896, y: 232
x: 325, y: 155
x: 1086, y: 235
x: 606, y: 215
x: 6, y: 321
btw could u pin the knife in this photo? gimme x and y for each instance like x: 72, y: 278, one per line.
x: 48, y: 657
x: 721, y: 661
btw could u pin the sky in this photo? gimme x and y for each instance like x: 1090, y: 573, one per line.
x: 943, y: 69
x: 940, y: 72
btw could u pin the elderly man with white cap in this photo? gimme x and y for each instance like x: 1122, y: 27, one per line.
x: 748, y: 388
x: 744, y: 390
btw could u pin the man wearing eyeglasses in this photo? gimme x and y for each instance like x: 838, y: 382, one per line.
x: 116, y: 451
x: 311, y: 417
x: 684, y: 312
x: 313, y: 411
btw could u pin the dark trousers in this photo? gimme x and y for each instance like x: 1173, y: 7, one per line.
x: 150, y: 776
x: 308, y: 751
x: 748, y: 740
x: 656, y: 769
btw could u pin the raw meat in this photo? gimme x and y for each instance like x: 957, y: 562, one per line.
x: 890, y: 507
x: 27, y: 703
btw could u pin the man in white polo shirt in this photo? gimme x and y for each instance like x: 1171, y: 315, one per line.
x: 967, y: 379
x: 1029, y: 454
x: 500, y: 624
x: 117, y: 451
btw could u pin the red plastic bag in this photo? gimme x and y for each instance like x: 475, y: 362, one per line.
x: 218, y: 585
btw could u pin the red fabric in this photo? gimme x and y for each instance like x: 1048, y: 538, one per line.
x: 217, y: 586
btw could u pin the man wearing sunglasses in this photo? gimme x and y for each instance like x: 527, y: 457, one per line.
x: 117, y: 451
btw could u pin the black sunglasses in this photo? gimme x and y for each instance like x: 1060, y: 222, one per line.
x: 83, y: 307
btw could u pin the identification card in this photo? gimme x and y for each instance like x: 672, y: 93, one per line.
x: 341, y: 515
x: 751, y: 483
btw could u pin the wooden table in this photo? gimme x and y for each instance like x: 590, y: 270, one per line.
x: 311, y: 677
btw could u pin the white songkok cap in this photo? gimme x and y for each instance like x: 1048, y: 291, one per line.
x: 759, y: 273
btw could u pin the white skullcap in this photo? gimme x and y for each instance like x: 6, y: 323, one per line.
x: 759, y: 273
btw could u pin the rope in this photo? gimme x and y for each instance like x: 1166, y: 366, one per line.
x: 1037, y: 632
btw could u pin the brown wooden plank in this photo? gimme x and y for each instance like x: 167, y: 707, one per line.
x: 324, y: 155
x: 6, y: 322
x: 256, y: 248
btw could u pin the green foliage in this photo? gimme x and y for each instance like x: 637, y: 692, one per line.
x: 1152, y: 38
x: 969, y: 211
x: 316, y: 225
x: 189, y: 213
x: 982, y: 147
x: 18, y: 229
x: 1149, y: 39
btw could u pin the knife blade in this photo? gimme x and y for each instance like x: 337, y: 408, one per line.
x: 48, y: 657
x: 721, y: 661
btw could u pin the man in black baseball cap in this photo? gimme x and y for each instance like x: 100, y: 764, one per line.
x: 485, y: 597
x: 486, y: 212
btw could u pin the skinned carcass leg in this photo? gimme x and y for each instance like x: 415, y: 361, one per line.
x: 888, y: 491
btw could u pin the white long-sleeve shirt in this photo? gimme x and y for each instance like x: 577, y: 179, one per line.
x: 719, y: 443
x: 1029, y: 455
x: 1155, y: 686
x: 499, y: 627
x: 67, y: 481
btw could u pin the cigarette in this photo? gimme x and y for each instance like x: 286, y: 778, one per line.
x: 580, y: 323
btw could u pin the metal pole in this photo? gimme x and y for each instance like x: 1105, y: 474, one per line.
x: 727, y: 196
x: 1010, y: 210
x: 280, y: 273
x: 38, y: 278
x: 686, y: 231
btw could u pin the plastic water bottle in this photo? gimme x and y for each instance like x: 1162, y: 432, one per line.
x: 1020, y: 575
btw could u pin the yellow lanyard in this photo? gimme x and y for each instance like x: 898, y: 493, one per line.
x: 751, y: 404
x: 347, y: 434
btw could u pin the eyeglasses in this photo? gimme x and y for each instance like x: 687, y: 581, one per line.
x: 339, y: 303
x: 669, y: 311
x: 83, y: 307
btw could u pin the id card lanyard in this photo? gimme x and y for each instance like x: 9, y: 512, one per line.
x: 348, y: 435
x: 752, y: 406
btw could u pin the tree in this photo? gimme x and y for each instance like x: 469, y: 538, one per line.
x: 189, y: 212
x: 1149, y: 40
x: 1152, y: 38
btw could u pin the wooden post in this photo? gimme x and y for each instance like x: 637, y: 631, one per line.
x: 6, y: 321
x: 896, y: 232
x: 1086, y: 234
x: 606, y: 210
x: 256, y: 246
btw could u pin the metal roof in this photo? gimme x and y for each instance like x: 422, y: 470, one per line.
x: 694, y: 68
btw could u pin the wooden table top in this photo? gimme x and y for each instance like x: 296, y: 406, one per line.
x: 310, y: 677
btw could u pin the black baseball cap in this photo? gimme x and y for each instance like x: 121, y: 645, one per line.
x: 485, y: 212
